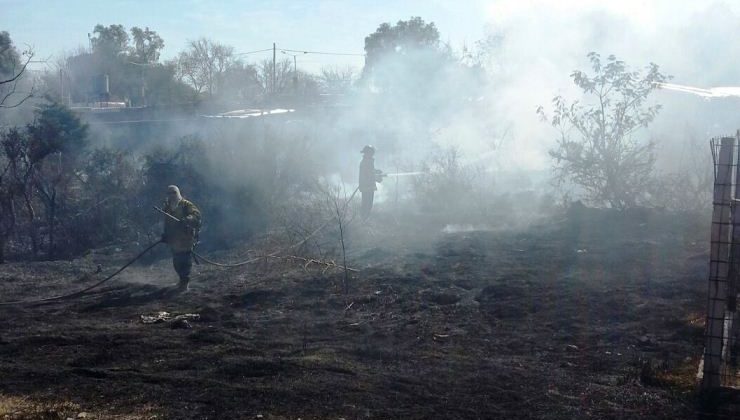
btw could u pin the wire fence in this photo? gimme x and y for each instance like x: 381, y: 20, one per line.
x: 719, y: 367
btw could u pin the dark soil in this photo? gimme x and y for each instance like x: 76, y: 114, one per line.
x: 598, y: 315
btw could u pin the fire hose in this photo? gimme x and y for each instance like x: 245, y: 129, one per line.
x: 87, y: 289
x: 255, y: 259
x: 149, y: 248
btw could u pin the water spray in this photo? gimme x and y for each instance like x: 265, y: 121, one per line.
x: 404, y: 174
x: 711, y: 93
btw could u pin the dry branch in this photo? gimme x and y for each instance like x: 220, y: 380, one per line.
x: 309, y: 261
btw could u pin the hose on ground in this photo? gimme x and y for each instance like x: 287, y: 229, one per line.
x: 87, y: 289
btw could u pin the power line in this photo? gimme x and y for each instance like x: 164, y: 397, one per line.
x: 254, y: 52
x: 323, y: 52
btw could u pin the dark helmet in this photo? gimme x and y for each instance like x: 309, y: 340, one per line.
x: 368, y: 149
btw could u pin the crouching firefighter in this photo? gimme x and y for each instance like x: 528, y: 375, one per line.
x: 181, y: 226
x: 368, y: 177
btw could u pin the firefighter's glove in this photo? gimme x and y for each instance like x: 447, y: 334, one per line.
x: 379, y: 175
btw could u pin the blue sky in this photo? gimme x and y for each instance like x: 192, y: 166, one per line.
x: 326, y: 25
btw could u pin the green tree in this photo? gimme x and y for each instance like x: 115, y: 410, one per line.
x: 147, y: 45
x: 131, y: 64
x: 57, y: 142
x: 599, y: 148
x: 163, y: 87
x: 9, y: 57
x: 399, y: 39
x: 412, y: 81
x: 109, y: 40
x: 56, y: 130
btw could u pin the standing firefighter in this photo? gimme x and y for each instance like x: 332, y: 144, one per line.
x: 180, y: 235
x: 368, y: 177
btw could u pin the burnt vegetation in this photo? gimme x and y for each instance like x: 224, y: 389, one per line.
x: 472, y: 291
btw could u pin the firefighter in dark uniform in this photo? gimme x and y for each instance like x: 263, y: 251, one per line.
x: 181, y: 235
x: 368, y: 177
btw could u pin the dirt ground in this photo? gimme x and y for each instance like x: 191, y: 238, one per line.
x: 595, y: 314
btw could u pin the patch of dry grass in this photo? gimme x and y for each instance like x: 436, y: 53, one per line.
x: 24, y: 408
x: 21, y: 408
x: 683, y: 376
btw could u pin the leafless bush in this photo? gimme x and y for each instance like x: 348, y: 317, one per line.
x: 447, y: 185
x: 688, y: 188
x: 337, y: 80
x: 299, y: 222
x: 339, y: 201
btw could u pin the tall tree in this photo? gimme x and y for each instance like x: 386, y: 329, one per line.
x: 131, y: 64
x: 241, y: 79
x: 399, y: 39
x: 409, y: 73
x: 9, y: 57
x: 147, y: 45
x: 283, y: 74
x: 57, y: 140
x: 204, y: 63
x: 109, y: 40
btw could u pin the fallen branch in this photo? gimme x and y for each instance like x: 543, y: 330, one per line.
x: 308, y: 261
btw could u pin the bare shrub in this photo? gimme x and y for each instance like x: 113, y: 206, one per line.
x: 446, y: 184
x: 688, y: 188
x: 598, y: 149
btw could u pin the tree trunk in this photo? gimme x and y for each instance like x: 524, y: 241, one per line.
x: 3, y: 240
x: 8, y: 211
x: 52, y: 219
x: 32, y: 225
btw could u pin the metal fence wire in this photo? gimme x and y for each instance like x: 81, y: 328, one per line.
x: 719, y: 367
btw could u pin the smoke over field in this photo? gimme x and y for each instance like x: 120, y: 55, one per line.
x: 485, y: 209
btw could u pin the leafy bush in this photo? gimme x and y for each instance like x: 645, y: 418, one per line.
x: 598, y: 148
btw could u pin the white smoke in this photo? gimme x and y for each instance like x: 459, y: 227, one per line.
x: 544, y: 41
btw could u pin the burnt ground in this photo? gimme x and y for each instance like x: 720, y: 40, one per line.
x: 595, y: 315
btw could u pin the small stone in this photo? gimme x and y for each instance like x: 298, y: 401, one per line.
x: 82, y: 415
x: 566, y: 364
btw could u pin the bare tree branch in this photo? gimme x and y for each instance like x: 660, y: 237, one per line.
x: 14, y: 81
x: 20, y: 73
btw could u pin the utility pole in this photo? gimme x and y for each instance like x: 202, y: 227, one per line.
x: 273, y: 68
x: 295, y: 74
